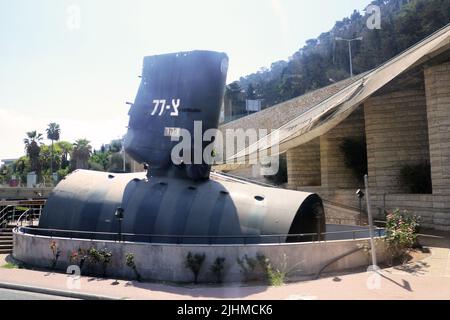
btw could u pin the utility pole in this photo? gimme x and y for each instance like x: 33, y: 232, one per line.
x: 349, y: 41
x: 369, y: 215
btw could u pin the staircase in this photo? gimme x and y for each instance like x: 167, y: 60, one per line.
x: 6, y: 240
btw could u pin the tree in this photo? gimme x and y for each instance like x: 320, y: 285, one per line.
x: 53, y: 132
x: 250, y: 92
x: 99, y: 160
x: 115, y: 145
x: 322, y: 61
x: 80, y: 154
x: 66, y: 149
x: 33, y: 149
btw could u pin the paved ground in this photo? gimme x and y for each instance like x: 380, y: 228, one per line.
x: 425, y: 279
x: 6, y: 294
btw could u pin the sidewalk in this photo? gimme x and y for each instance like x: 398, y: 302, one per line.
x: 425, y: 279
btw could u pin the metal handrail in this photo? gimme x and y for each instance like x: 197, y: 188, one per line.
x: 4, y: 218
x: 20, y: 218
x: 3, y: 210
x: 29, y: 230
x: 5, y: 214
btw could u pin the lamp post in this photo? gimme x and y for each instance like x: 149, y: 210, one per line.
x: 360, y: 195
x: 349, y: 41
x: 119, y: 216
x: 369, y: 215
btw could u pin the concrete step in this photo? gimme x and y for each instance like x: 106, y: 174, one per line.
x: 6, y: 242
x: 4, y: 251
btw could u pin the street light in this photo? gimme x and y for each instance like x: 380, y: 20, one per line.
x: 349, y: 41
x: 119, y: 216
x: 360, y: 195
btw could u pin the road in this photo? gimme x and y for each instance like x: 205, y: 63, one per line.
x: 7, y: 294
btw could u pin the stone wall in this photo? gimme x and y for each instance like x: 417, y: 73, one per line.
x: 397, y: 134
x: 303, y: 165
x: 437, y: 80
x: 166, y: 262
x: 335, y: 173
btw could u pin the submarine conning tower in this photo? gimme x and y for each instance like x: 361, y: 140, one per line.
x: 178, y: 202
x: 176, y: 91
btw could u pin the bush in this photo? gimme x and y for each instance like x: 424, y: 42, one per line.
x: 281, y: 176
x: 129, y: 260
x: 417, y: 178
x: 217, y: 268
x: 274, y: 277
x: 94, y: 256
x: 105, y: 258
x: 355, y: 156
x: 194, y: 263
x: 401, y: 233
x: 100, y: 256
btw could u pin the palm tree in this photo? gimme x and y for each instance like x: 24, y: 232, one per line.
x: 32, y: 148
x: 66, y: 148
x: 53, y: 132
x: 81, y: 152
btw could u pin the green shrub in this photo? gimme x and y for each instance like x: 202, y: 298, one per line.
x: 194, y: 262
x: 417, y: 178
x: 94, y: 256
x: 217, y: 268
x: 105, y: 259
x: 129, y: 260
x: 274, y: 276
x: 401, y: 233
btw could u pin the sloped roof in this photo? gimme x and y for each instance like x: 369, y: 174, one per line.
x: 276, y: 116
x: 323, y: 116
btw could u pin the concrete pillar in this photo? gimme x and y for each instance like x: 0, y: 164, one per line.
x: 437, y: 86
x: 303, y: 165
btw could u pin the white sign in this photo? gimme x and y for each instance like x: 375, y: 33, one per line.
x: 162, y: 105
x: 253, y: 105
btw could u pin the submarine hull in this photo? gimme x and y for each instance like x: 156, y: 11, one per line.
x: 221, y: 210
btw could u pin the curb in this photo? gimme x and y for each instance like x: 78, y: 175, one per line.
x: 54, y: 292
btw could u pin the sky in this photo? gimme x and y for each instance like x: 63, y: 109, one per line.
x: 77, y: 62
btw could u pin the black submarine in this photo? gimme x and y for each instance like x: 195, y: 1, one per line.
x: 182, y: 202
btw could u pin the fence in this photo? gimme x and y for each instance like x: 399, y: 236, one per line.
x: 201, y: 239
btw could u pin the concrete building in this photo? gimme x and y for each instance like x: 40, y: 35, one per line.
x: 401, y: 108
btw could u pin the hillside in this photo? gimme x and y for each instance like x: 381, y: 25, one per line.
x: 323, y: 61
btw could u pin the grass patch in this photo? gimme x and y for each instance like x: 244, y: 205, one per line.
x: 10, y: 266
